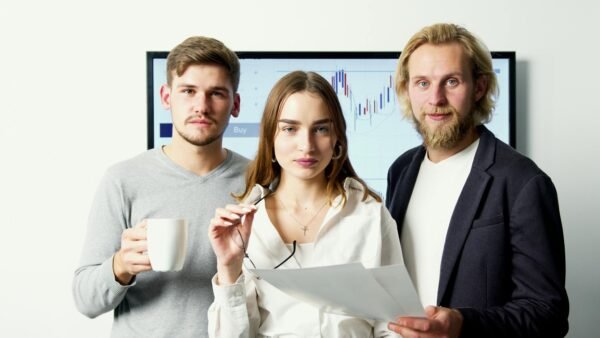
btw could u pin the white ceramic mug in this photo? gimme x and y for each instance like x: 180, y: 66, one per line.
x: 167, y: 243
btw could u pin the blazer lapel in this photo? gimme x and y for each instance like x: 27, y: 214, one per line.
x: 466, y: 208
x: 398, y: 203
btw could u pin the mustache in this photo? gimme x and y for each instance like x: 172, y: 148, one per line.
x: 440, y: 110
x: 204, y: 117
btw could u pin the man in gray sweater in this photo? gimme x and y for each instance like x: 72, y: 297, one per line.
x: 188, y: 178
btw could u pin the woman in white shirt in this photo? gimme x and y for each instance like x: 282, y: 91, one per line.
x: 315, y: 212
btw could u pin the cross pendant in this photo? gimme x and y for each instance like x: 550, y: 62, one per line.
x: 305, y: 229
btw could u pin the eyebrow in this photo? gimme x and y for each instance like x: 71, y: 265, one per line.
x: 453, y: 74
x: 187, y: 85
x: 298, y: 122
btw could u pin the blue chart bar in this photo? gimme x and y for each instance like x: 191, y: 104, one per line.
x: 166, y: 130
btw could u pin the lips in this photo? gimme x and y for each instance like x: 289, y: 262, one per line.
x: 439, y: 117
x: 203, y: 122
x: 306, y: 162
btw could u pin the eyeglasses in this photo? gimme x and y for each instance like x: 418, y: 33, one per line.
x: 245, y: 247
x: 276, y: 266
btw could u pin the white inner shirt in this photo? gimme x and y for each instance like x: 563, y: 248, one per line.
x: 431, y: 205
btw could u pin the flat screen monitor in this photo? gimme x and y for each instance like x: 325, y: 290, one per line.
x: 377, y: 133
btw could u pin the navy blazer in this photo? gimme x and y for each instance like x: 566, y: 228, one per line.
x: 503, y: 264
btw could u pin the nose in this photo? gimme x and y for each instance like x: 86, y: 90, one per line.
x: 305, y: 141
x: 200, y: 105
x: 438, y: 96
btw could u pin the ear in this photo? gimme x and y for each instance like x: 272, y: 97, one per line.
x: 165, y: 96
x: 481, y: 84
x: 235, y: 111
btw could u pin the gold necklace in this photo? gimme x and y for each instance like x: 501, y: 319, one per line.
x: 304, y: 226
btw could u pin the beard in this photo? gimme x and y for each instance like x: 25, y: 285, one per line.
x: 202, y: 139
x: 447, y: 135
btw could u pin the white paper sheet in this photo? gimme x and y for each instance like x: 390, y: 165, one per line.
x: 382, y: 293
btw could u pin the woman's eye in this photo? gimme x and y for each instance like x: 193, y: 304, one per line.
x: 322, y: 130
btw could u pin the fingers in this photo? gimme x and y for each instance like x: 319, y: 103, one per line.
x: 133, y: 240
x: 226, y: 222
x: 406, y: 332
x: 128, y: 262
x: 131, y: 258
x: 247, y: 224
x: 430, y: 311
x: 401, y: 330
x: 414, y: 323
x: 224, y: 217
x: 231, y: 215
x: 137, y: 233
x: 234, y: 213
x: 133, y: 261
x: 143, y: 224
x: 440, y: 322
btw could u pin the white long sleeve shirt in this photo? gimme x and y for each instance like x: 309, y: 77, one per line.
x: 361, y: 231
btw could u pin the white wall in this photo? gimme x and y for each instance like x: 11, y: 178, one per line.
x: 72, y: 89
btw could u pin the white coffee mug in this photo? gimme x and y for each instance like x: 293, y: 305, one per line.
x: 167, y: 243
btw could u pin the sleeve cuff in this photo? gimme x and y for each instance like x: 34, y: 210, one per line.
x: 468, y: 329
x: 108, y: 276
x: 229, y: 295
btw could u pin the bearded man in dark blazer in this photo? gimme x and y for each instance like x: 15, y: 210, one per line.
x: 479, y: 223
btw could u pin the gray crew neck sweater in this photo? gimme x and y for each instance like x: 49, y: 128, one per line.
x: 156, y: 304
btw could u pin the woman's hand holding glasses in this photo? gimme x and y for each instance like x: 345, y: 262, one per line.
x: 229, y: 231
